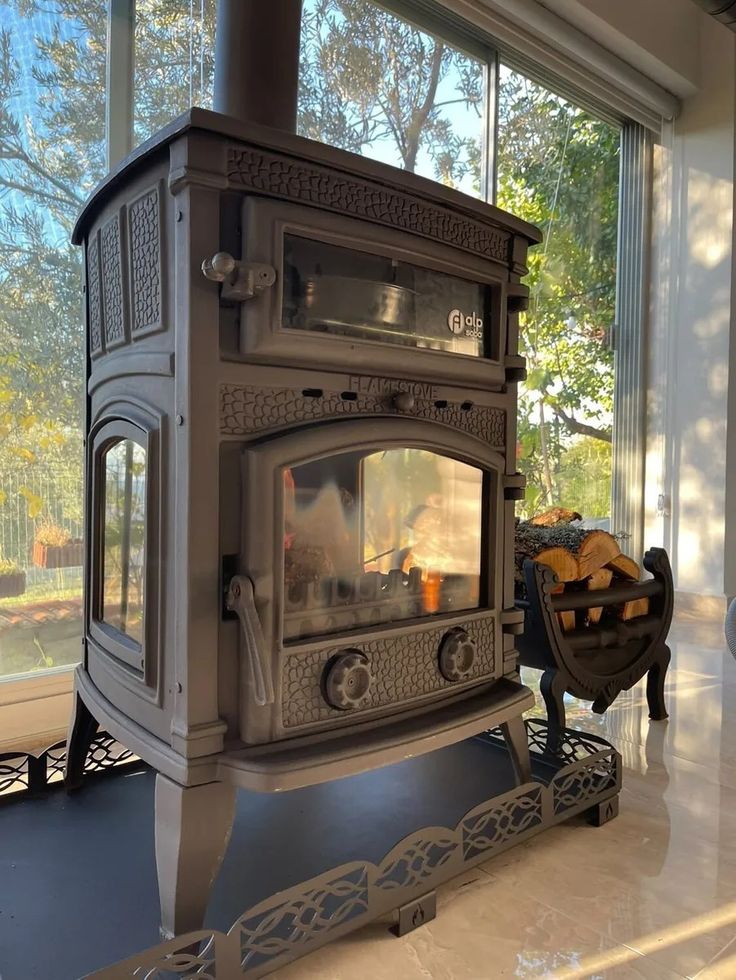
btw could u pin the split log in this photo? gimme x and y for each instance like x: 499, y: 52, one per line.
x: 561, y: 562
x: 625, y: 567
x: 634, y: 608
x: 598, y: 580
x: 590, y: 557
x: 597, y: 549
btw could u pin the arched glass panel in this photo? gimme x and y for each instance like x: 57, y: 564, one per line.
x: 123, y: 527
x: 379, y: 537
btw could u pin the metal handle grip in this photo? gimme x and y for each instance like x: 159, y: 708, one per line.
x: 241, y: 600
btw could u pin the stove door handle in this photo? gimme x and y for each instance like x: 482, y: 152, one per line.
x: 241, y: 600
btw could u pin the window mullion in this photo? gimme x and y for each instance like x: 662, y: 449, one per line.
x: 629, y: 414
x: 489, y: 161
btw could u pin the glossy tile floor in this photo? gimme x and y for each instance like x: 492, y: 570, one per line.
x: 651, y: 894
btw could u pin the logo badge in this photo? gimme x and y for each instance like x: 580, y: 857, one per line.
x: 469, y: 324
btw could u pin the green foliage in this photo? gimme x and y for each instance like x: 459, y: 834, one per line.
x: 52, y: 153
x: 558, y: 168
x: 583, y: 477
x: 372, y: 83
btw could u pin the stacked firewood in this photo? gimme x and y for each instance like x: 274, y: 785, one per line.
x: 582, y: 559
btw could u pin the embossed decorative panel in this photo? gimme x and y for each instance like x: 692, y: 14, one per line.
x: 94, y: 298
x: 401, y: 671
x: 311, y: 184
x: 112, y: 282
x: 246, y: 409
x: 144, y: 224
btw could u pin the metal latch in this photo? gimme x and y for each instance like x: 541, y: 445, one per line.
x: 240, y: 280
x: 241, y: 600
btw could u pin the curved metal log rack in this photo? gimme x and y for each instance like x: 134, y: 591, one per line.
x: 597, y: 662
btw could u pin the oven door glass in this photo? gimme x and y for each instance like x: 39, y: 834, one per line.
x: 350, y: 293
x: 379, y: 537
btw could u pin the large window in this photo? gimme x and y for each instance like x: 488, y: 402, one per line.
x: 559, y: 168
x: 378, y: 84
x: 415, y: 93
x: 375, y: 84
x: 52, y: 152
x: 53, y: 118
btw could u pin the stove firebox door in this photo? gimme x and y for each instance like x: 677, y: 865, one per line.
x: 370, y: 540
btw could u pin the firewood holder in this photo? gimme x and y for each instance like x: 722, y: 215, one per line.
x: 596, y: 663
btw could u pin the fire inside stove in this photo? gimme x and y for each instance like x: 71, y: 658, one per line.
x: 377, y: 538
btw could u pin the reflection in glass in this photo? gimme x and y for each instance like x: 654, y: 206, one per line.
x: 123, y: 533
x: 350, y: 293
x: 378, y: 538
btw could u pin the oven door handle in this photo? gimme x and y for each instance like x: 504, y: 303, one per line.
x: 241, y: 600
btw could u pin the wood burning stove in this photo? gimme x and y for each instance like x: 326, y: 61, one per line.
x: 301, y: 473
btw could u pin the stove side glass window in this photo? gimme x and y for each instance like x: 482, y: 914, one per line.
x: 350, y: 293
x: 123, y: 537
x: 380, y: 537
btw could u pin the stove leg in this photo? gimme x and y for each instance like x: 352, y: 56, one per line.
x: 517, y: 742
x: 193, y: 825
x: 655, y: 685
x: 82, y: 730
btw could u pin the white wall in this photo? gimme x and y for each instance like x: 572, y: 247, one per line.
x: 656, y: 36
x: 691, y: 387
x: 691, y: 322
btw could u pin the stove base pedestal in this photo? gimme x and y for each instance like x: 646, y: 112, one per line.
x: 582, y: 777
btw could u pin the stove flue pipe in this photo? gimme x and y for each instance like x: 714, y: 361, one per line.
x: 723, y: 10
x: 257, y: 61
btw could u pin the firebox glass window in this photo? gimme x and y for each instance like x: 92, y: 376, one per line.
x: 123, y: 537
x: 350, y: 293
x: 379, y: 537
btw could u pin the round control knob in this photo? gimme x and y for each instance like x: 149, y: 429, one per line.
x: 403, y: 401
x: 348, y: 680
x: 457, y: 655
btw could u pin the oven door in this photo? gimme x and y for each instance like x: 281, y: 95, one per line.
x: 346, y: 291
x: 369, y: 551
